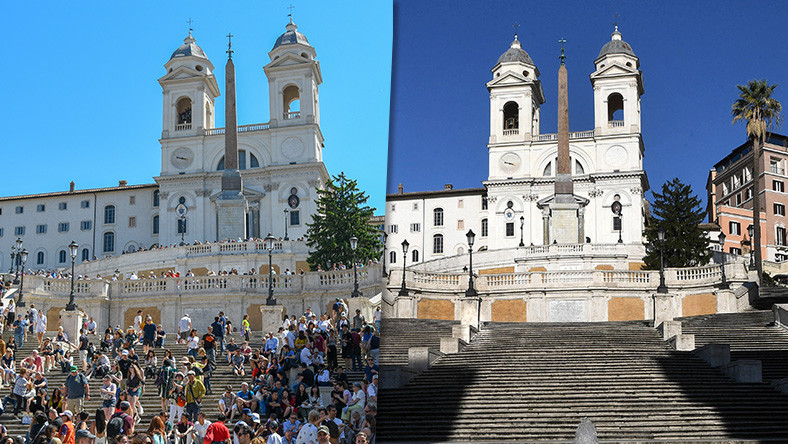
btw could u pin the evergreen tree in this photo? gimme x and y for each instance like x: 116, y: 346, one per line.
x: 341, y: 214
x: 678, y: 212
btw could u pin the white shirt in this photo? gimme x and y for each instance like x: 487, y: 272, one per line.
x: 185, y: 324
x: 372, y: 391
x: 33, y: 315
x: 274, y: 438
x: 192, y: 342
x: 376, y: 315
x: 137, y: 322
x: 41, y: 325
x: 307, y: 435
x: 200, y: 429
x: 306, y: 356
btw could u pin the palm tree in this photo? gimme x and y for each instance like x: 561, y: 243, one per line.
x: 761, y: 111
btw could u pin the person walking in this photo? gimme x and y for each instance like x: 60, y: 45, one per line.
x: 195, y: 391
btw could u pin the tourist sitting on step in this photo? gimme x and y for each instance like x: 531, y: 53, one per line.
x: 243, y: 400
x: 356, y: 403
x: 230, y: 349
x: 227, y: 402
x: 151, y: 365
x: 100, y: 365
x: 237, y: 363
x: 34, y: 362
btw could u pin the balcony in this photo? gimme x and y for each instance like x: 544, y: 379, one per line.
x: 572, y: 135
x: 292, y: 115
x: 511, y: 132
x: 775, y: 169
x: 241, y: 129
x: 615, y: 124
x: 183, y: 126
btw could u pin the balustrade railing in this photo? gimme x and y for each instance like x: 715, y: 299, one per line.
x: 511, y: 132
x: 241, y: 129
x: 572, y: 135
x: 183, y: 126
x: 292, y: 115
x: 615, y: 124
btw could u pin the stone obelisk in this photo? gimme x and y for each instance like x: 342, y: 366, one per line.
x: 231, y: 203
x: 565, y: 223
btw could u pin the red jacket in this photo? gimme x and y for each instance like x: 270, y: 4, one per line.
x: 216, y: 432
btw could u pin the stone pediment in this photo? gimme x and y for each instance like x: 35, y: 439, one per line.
x: 545, y: 202
x: 508, y: 78
x: 614, y: 69
x: 288, y: 59
x: 182, y: 72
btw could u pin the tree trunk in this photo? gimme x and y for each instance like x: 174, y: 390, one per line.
x: 757, y: 145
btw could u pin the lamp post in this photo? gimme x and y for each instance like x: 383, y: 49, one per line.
x: 616, y: 208
x: 751, y: 232
x: 353, y: 246
x: 183, y: 229
x: 662, y: 287
x: 471, y: 236
x: 269, y: 245
x: 13, y: 255
x: 72, y: 249
x: 522, y: 223
x: 403, y: 291
x: 385, y: 236
x: 287, y: 211
x: 23, y: 257
x: 725, y: 285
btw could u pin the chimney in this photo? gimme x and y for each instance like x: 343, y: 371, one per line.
x: 448, y: 187
x: 122, y: 183
x: 399, y: 189
x: 71, y: 187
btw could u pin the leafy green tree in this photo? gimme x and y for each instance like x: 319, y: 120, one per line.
x: 341, y: 214
x: 678, y: 212
x: 761, y: 111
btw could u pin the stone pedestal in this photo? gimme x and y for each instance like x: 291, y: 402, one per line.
x: 359, y: 303
x: 469, y: 311
x: 405, y: 307
x: 683, y: 342
x: 670, y: 329
x: 663, y: 307
x: 565, y: 224
x: 726, y: 301
x: 231, y: 209
x: 71, y: 321
x: 272, y: 317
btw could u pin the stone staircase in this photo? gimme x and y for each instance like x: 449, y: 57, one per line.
x: 150, y: 401
x: 535, y: 382
x: 406, y: 333
x: 751, y: 335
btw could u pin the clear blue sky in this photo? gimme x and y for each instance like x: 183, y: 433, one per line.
x: 692, y: 54
x: 82, y: 101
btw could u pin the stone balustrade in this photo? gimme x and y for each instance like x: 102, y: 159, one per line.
x: 241, y: 129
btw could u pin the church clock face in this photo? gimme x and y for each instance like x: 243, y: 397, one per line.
x: 182, y: 158
x: 510, y: 162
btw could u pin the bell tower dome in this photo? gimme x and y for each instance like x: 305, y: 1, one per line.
x: 515, y: 96
x: 618, y: 85
x: 189, y: 91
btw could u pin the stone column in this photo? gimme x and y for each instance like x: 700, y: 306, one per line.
x: 546, y: 226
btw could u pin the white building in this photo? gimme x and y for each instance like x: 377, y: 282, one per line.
x: 607, y: 166
x: 280, y: 160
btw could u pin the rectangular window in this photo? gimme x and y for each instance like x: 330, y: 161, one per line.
x: 393, y: 229
x: 86, y: 225
x: 437, y: 244
x: 62, y: 227
x: 181, y: 226
x: 295, y: 217
x: 41, y: 229
x: 1, y: 232
x: 19, y: 231
x: 415, y: 206
x: 748, y: 194
x: 484, y: 228
x: 132, y: 222
x: 437, y: 218
x: 132, y: 200
x: 84, y: 204
x: 62, y: 206
x: 509, y: 229
x: 460, y: 203
x: 484, y: 203
x: 779, y: 209
x: 20, y: 210
x: 156, y: 198
x: 616, y: 223
x: 415, y: 228
x: 41, y: 208
x: 781, y: 236
x: 778, y: 185
x: 775, y: 166
x: 734, y: 228
x: 155, y: 224
x: 393, y: 207
x: 460, y: 224
x: 736, y: 251
x: 738, y: 198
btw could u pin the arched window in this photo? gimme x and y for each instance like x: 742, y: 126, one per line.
x: 460, y: 251
x: 437, y: 244
x: 548, y: 170
x: 85, y: 254
x: 615, y: 109
x: 109, y: 214
x: 485, y: 228
x: 109, y: 242
x: 155, y: 198
x: 415, y: 256
x: 243, y: 156
x: 253, y: 163
x: 292, y: 102
x: 184, y: 111
x: 579, y: 167
x: 393, y: 257
x: 156, y: 224
x: 61, y: 256
x: 511, y: 116
x: 437, y: 217
x: 40, y: 258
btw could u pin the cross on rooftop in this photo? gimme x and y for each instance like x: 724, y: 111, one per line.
x: 291, y: 7
x: 562, y: 56
x: 616, y: 16
x: 515, y: 26
x: 230, y: 45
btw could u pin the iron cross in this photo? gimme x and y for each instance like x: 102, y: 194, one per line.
x: 562, y: 56
x: 230, y: 45
x: 291, y: 7
x: 515, y: 26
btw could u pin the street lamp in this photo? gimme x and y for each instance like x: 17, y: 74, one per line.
x: 471, y: 237
x: 23, y: 257
x: 353, y: 246
x: 725, y: 285
x: 751, y: 232
x: 72, y: 250
x: 385, y: 236
x: 522, y: 222
x: 18, y: 259
x: 269, y: 245
x: 662, y: 287
x: 287, y: 211
x: 403, y: 291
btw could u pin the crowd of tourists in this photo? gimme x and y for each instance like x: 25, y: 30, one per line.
x: 281, y: 393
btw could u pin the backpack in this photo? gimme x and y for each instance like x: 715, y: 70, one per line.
x: 115, y: 426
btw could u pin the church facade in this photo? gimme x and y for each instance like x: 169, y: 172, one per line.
x: 513, y: 208
x: 280, y: 162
